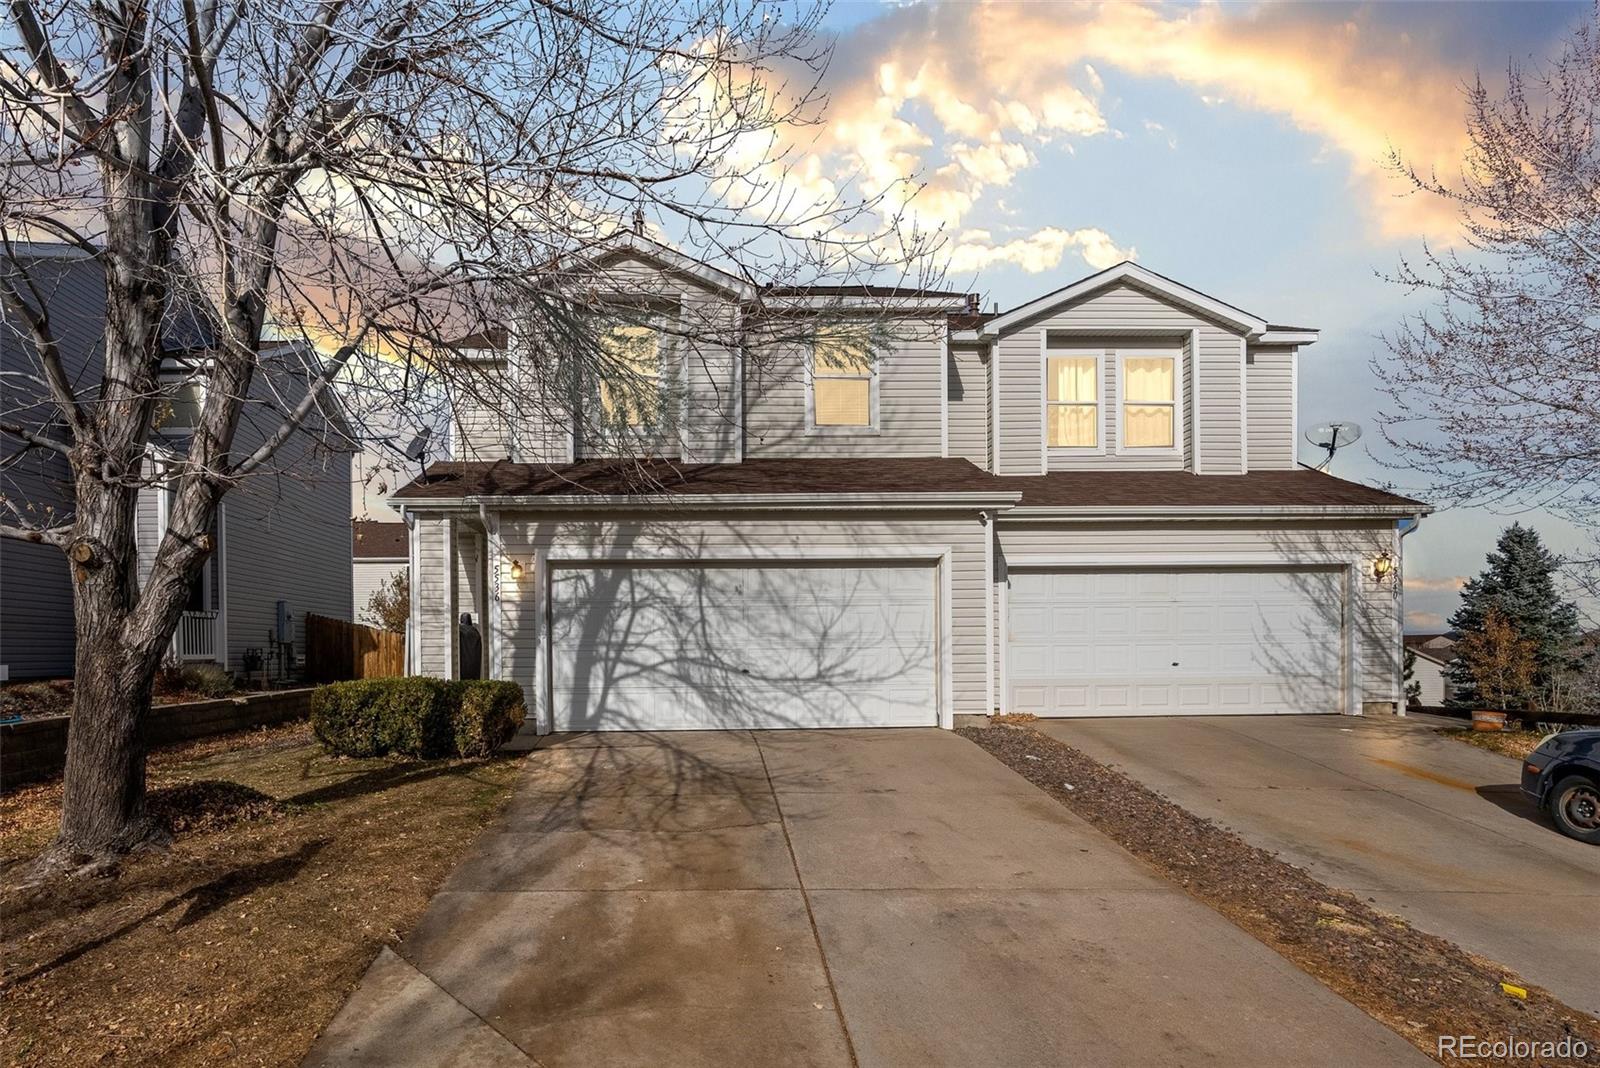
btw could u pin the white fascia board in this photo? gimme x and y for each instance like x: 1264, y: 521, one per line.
x: 1273, y: 336
x: 1166, y: 513
x: 965, y: 337
x: 1128, y: 271
x: 725, y: 501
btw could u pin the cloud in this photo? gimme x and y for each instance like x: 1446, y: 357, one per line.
x: 1040, y: 251
x: 1424, y: 621
x: 964, y: 95
x: 1417, y: 584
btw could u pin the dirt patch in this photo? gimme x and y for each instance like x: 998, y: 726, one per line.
x: 1418, y: 984
x: 1514, y: 744
x: 289, y: 870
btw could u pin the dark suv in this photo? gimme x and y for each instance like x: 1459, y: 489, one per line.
x: 1563, y: 775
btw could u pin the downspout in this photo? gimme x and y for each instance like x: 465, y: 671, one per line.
x: 1402, y: 528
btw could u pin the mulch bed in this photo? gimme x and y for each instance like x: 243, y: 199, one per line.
x: 289, y: 869
x: 1514, y: 744
x: 1418, y: 984
x: 53, y: 697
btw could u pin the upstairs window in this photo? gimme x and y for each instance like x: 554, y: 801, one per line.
x: 1072, y: 402
x: 630, y: 392
x: 842, y: 374
x: 1149, y: 402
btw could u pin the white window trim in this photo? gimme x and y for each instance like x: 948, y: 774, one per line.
x: 1062, y: 452
x: 1176, y: 356
x: 812, y: 428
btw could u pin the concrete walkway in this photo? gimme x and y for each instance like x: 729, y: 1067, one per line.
x: 843, y: 898
x: 1427, y: 827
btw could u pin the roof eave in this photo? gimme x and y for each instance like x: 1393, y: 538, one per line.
x: 1127, y: 271
x: 1194, y: 513
x: 804, y: 501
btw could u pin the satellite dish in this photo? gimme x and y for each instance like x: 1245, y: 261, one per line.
x: 417, y: 450
x: 1333, y: 437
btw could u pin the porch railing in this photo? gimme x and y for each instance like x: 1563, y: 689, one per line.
x: 198, y: 636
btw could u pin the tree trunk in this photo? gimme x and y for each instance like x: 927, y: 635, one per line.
x: 102, y: 805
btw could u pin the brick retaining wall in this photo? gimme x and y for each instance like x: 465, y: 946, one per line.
x: 37, y: 748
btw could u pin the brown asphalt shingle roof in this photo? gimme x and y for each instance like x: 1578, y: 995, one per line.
x: 378, y: 541
x: 1302, y: 487
x: 609, y: 478
x: 930, y: 475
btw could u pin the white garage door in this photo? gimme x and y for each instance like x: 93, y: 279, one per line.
x: 1191, y: 642
x: 674, y: 647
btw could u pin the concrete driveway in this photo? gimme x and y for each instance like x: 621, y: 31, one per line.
x: 1428, y: 828
x: 890, y: 897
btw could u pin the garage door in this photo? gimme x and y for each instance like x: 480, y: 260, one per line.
x: 672, y: 647
x: 1191, y: 642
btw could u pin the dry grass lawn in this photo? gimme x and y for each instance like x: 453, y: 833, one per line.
x: 1514, y: 744
x: 238, y: 944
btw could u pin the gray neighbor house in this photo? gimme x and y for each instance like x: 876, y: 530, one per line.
x: 283, y: 533
x: 1089, y: 505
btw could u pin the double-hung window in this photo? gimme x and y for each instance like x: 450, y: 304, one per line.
x: 842, y: 372
x: 1149, y: 402
x: 1072, y: 402
x: 630, y: 387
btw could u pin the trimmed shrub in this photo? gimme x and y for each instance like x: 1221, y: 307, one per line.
x: 485, y: 713
x: 419, y: 717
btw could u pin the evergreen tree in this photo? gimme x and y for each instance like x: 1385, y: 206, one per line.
x: 1519, y: 584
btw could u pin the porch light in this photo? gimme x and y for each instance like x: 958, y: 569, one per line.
x: 516, y: 570
x: 1382, y: 564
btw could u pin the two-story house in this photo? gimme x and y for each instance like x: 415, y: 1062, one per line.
x: 1087, y: 506
x: 283, y: 533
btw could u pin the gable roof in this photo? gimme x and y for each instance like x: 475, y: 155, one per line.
x: 626, y: 242
x: 1130, y: 273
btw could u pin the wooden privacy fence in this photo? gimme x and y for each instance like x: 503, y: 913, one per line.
x: 337, y: 650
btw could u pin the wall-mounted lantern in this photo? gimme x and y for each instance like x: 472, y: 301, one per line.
x: 1382, y: 566
x: 516, y: 570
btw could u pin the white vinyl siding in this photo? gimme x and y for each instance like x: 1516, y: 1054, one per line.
x: 478, y: 407
x: 910, y: 405
x: 700, y: 365
x: 1123, y: 316
x: 1374, y: 609
x: 368, y: 576
x: 967, y: 390
x: 1269, y: 378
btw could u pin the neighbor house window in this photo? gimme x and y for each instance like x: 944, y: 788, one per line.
x: 841, y: 378
x: 1072, y: 402
x: 179, y: 408
x: 1149, y: 402
x: 630, y: 391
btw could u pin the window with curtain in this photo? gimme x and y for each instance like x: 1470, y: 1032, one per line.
x: 1149, y: 402
x: 630, y: 393
x: 841, y: 378
x: 1072, y: 402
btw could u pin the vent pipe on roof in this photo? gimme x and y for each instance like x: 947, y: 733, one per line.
x: 638, y: 220
x: 972, y: 303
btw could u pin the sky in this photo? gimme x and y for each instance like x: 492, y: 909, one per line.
x: 1238, y: 148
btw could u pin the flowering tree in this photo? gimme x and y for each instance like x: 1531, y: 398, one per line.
x: 344, y: 187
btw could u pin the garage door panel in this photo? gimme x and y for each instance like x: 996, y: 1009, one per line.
x: 663, y: 647
x: 1234, y: 640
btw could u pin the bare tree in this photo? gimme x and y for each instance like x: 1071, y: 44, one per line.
x: 352, y: 186
x: 1494, y: 393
